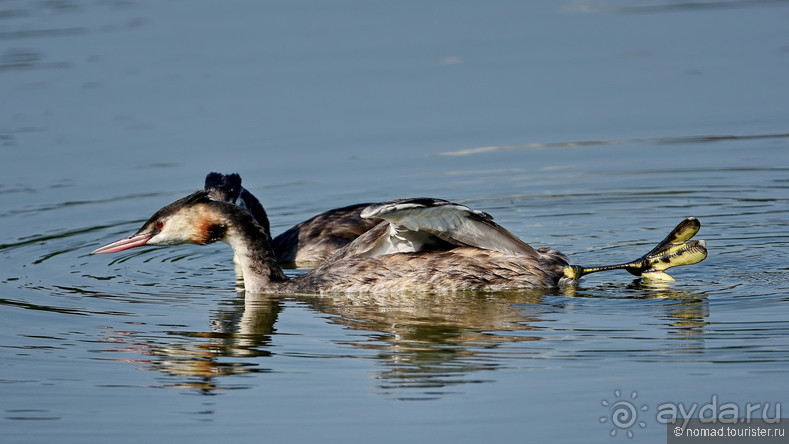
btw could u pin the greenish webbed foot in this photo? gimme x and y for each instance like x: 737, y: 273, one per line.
x: 675, y: 250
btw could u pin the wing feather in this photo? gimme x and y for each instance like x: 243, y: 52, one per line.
x: 423, y: 223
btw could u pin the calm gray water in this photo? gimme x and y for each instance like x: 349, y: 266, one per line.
x: 588, y: 126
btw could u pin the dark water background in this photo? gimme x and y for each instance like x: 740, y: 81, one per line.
x: 589, y: 126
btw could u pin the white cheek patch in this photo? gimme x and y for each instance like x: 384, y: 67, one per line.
x: 164, y: 239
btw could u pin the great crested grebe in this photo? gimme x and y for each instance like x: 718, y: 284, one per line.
x: 426, y: 245
x: 306, y: 244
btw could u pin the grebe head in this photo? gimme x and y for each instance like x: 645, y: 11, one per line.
x: 195, y: 219
x: 224, y: 187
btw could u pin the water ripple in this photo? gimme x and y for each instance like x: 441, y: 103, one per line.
x: 592, y: 143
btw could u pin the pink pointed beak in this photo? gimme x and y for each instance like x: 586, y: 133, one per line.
x: 136, y: 240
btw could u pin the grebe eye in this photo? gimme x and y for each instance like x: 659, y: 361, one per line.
x: 159, y: 224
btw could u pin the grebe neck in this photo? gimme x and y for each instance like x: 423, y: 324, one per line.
x: 254, y: 254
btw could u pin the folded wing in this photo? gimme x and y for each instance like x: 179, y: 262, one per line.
x: 427, y: 224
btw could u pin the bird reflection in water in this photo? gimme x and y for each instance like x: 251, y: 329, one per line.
x: 237, y: 335
x: 426, y: 345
